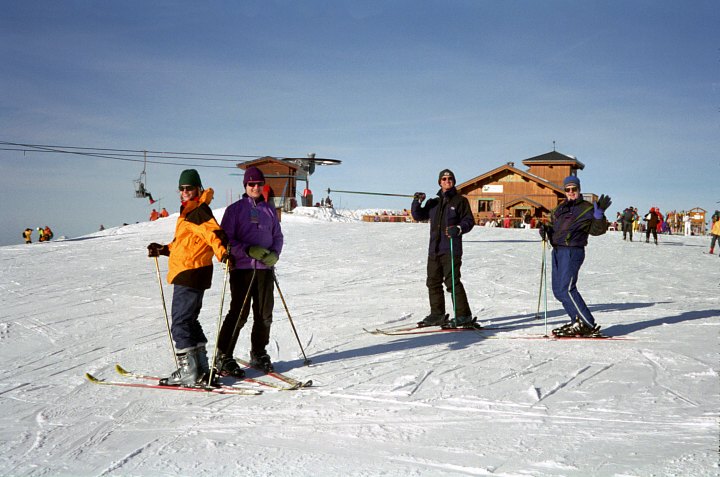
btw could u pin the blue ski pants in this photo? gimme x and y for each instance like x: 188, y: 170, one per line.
x: 186, y: 330
x: 566, y: 263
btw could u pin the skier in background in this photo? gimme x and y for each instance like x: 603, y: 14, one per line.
x: 163, y: 213
x: 653, y: 219
x: 450, y: 216
x: 715, y: 231
x: 48, y: 234
x: 198, y: 237
x: 27, y: 235
x: 570, y: 224
x: 627, y: 218
x: 256, y: 240
x: 142, y: 192
x: 687, y: 223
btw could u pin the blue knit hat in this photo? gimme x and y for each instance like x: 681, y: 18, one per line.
x: 571, y: 180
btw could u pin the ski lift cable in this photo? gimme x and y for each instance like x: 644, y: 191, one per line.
x: 121, y: 155
x: 137, y: 152
x: 32, y: 148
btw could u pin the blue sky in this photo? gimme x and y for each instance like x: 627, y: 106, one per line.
x: 397, y: 90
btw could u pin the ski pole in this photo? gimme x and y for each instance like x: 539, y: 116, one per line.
x: 542, y: 270
x: 307, y: 361
x: 545, y: 289
x: 167, y: 321
x: 452, y: 273
x: 217, y: 332
x: 236, y: 330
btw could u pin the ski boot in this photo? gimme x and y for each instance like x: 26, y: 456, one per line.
x: 227, y: 366
x: 564, y: 330
x: 187, y: 373
x: 578, y: 329
x: 433, y: 320
x: 204, y: 367
x: 261, y: 361
x: 459, y: 322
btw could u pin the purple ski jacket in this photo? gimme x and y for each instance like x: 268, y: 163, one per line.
x: 249, y: 222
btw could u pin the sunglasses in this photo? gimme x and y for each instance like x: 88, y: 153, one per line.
x: 571, y: 189
x: 447, y: 179
x: 255, y: 184
x: 186, y: 188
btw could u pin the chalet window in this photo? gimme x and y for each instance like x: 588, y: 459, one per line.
x: 485, y: 205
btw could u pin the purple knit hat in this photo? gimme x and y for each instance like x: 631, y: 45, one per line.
x: 253, y: 174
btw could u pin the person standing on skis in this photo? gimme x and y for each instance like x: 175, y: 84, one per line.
x: 714, y: 231
x: 653, y: 219
x: 198, y: 237
x: 256, y: 240
x: 450, y: 217
x: 570, y: 224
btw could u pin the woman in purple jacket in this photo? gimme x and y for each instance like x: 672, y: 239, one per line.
x: 570, y: 224
x: 255, y: 242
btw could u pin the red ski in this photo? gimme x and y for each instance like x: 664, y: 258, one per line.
x: 220, y: 390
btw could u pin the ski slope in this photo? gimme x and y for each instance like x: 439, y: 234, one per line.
x: 437, y: 404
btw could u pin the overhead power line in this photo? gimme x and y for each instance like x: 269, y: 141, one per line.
x: 131, y: 155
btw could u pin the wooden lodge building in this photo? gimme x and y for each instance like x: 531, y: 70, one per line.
x: 507, y: 191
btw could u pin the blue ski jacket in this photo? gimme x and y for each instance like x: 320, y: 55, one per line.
x: 573, y: 221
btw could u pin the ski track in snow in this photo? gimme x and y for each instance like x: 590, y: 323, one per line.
x: 436, y: 404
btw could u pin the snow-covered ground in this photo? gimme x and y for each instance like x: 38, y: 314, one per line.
x: 436, y: 404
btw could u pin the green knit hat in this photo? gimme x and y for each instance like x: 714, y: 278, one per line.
x: 190, y: 177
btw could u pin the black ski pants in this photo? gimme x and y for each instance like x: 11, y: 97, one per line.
x: 627, y: 229
x: 261, y: 285
x: 439, y: 272
x: 653, y: 231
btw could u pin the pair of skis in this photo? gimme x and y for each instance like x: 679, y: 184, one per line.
x: 476, y: 327
x: 283, y: 382
x: 421, y: 330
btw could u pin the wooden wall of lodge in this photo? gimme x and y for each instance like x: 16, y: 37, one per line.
x: 278, y: 185
x: 514, y: 191
x: 552, y: 173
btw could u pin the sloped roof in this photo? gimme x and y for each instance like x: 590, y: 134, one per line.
x: 514, y: 170
x: 554, y: 157
x: 265, y: 160
x: 534, y: 203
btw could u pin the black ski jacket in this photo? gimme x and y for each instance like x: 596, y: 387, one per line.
x: 443, y: 211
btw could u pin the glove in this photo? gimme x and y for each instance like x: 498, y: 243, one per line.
x: 155, y: 250
x: 601, y: 206
x: 228, y: 260
x: 453, y: 231
x: 270, y: 259
x: 419, y: 196
x: 545, y: 230
x: 257, y: 252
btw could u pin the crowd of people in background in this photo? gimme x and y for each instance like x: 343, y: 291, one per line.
x: 44, y: 234
x: 154, y: 215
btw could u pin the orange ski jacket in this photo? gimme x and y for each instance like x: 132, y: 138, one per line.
x: 198, y: 237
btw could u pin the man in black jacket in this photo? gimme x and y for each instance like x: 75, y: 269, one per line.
x: 450, y: 216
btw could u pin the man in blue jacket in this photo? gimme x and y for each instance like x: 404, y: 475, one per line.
x: 256, y: 241
x: 450, y: 216
x: 570, y: 224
